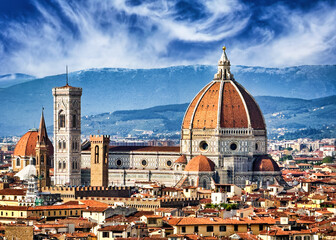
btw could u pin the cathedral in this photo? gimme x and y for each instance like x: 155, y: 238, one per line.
x: 223, y: 140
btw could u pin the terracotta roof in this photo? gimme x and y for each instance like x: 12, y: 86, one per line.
x: 9, y: 191
x: 56, y: 207
x: 265, y: 164
x: 200, y: 164
x: 182, y: 160
x: 115, y: 228
x: 237, y: 108
x: 27, y: 143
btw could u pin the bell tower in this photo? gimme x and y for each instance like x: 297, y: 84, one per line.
x: 67, y: 135
x: 99, y: 160
x: 42, y: 156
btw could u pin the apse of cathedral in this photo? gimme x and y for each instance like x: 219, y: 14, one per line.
x: 223, y: 140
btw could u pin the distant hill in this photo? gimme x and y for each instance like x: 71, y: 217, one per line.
x: 283, y: 116
x: 13, y: 79
x: 110, y: 89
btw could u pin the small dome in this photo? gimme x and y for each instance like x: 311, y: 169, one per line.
x: 26, y: 172
x: 182, y: 160
x: 265, y: 164
x: 27, y: 144
x: 200, y: 164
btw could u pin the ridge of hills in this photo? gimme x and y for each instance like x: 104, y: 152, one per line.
x: 114, y: 89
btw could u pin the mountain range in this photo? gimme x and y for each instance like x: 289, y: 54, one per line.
x: 107, y: 91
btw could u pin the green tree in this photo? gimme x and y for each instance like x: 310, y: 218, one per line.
x: 327, y: 159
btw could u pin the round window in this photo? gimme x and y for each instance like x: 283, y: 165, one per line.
x: 204, y: 146
x: 144, y: 163
x: 169, y: 163
x: 233, y: 146
x: 118, y: 162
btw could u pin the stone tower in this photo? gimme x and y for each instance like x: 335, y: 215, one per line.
x: 99, y: 160
x: 67, y: 135
x: 43, y: 160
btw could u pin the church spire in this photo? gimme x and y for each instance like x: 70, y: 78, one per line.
x: 224, y: 68
x: 42, y: 132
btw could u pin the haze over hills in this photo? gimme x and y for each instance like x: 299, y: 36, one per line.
x: 109, y: 90
x: 282, y: 115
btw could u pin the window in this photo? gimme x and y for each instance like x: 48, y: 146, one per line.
x: 21, y: 214
x: 233, y: 146
x: 298, y: 238
x: 96, y: 154
x: 42, y: 159
x: 59, y: 145
x: 64, y: 145
x: 64, y: 165
x: 74, y: 121
x: 105, y: 154
x: 260, y: 227
x: 118, y: 163
x: 235, y: 228
x: 73, y: 165
x: 183, y: 229
x: 222, y: 228
x: 144, y: 163
x: 18, y: 162
x: 306, y: 238
x: 204, y: 146
x: 106, y: 234
x: 59, y: 165
x: 209, y: 229
x: 169, y: 163
x: 61, y: 120
x: 204, y: 183
x: 12, y: 213
x: 196, y: 229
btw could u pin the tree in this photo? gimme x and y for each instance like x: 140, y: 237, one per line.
x: 327, y: 159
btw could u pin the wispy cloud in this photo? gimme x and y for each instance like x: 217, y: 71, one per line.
x: 142, y: 34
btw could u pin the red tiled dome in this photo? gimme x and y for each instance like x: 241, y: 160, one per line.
x: 265, y: 164
x: 27, y: 143
x: 182, y: 160
x: 200, y: 164
x: 223, y: 103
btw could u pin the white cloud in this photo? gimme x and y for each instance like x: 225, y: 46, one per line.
x: 47, y: 46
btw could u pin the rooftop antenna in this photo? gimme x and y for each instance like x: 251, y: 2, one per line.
x: 67, y: 79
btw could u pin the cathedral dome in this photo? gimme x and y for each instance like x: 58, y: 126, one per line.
x: 27, y: 144
x: 200, y: 164
x: 223, y: 103
x: 265, y: 164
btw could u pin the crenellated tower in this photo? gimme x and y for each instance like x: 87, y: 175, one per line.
x: 99, y: 160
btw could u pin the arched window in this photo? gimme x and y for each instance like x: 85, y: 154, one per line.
x: 59, y: 145
x: 73, y: 165
x: 96, y: 154
x: 18, y: 162
x: 73, y: 145
x: 105, y: 153
x: 204, y: 183
x: 64, y: 145
x: 74, y: 121
x: 61, y: 119
x: 42, y: 159
x: 76, y: 165
x: 59, y: 165
x: 64, y: 165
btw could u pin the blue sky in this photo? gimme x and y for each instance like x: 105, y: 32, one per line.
x: 40, y: 37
